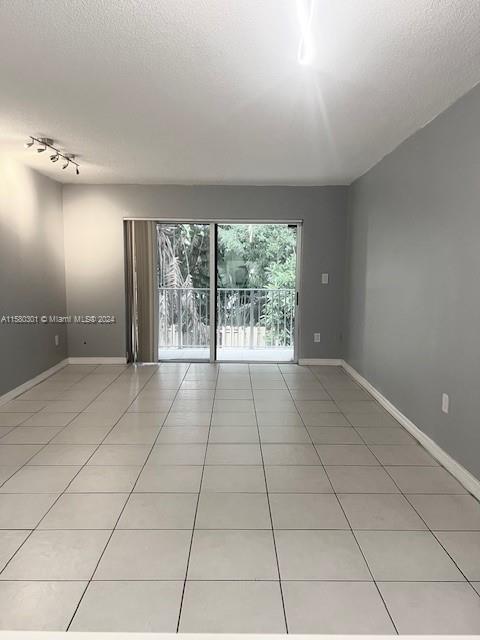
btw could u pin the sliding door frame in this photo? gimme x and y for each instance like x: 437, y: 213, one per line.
x: 213, y: 291
x: 213, y: 228
x: 297, y: 292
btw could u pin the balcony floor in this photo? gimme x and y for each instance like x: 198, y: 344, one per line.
x: 224, y: 354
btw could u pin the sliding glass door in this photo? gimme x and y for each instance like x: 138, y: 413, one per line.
x: 183, y: 273
x: 212, y: 291
x: 256, y: 292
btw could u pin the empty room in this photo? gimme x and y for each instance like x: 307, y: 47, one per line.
x: 239, y: 317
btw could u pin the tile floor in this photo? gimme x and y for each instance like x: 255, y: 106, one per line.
x: 227, y: 498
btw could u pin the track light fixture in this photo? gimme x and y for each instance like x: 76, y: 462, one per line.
x: 47, y: 143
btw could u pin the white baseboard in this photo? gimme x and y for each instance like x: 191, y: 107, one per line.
x: 326, y: 362
x: 14, y: 393
x: 95, y: 360
x: 469, y: 481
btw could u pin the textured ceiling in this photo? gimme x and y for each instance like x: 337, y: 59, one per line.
x: 210, y: 91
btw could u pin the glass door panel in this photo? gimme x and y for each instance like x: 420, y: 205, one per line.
x: 183, y: 262
x: 256, y: 292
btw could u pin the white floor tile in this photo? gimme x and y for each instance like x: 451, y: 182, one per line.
x: 306, y: 511
x: 24, y: 510
x: 232, y: 555
x: 432, y: 607
x: 145, y: 555
x: 335, y: 608
x: 236, y: 454
x: 234, y: 607
x: 320, y: 555
x: 297, y: 479
x: 159, y: 511
x: 234, y: 479
x: 57, y: 555
x: 425, y: 480
x: 464, y: 548
x: 380, y: 511
x: 126, y: 606
x: 120, y: 454
x: 84, y: 511
x: 406, y: 556
x: 10, y: 541
x: 233, y: 511
x: 178, y: 454
x: 38, y: 606
x: 63, y: 454
x: 353, y: 479
x: 452, y: 512
x: 31, y: 479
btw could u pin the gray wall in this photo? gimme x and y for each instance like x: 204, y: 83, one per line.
x: 32, y: 273
x: 413, y: 317
x: 94, y: 251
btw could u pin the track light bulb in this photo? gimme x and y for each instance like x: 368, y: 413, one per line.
x: 77, y: 171
x: 66, y: 164
x: 54, y: 157
x: 39, y: 150
x: 29, y: 144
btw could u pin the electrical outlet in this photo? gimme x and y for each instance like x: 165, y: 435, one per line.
x: 57, y: 341
x: 445, y: 403
x: 324, y: 278
x: 316, y: 337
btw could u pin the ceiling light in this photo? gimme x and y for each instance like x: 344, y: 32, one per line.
x: 306, y: 51
x: 47, y: 143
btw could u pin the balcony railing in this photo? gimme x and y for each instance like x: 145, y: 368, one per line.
x: 251, y: 318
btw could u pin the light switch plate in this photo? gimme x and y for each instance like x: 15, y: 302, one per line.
x: 445, y: 403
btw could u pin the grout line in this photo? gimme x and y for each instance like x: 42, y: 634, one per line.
x: 196, y: 511
x: 451, y: 557
x: 351, y: 529
x: 268, y: 501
